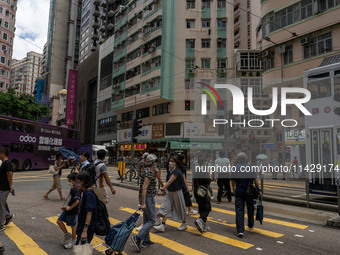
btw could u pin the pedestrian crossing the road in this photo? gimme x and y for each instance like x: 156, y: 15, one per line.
x: 174, y: 244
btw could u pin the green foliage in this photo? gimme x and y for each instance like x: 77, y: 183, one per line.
x: 23, y: 106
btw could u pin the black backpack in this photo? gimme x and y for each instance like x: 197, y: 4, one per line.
x: 102, y: 227
x: 91, y: 169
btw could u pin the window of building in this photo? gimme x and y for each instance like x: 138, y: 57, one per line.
x: 161, y: 109
x: 205, y: 4
x: 269, y: 61
x: 189, y: 105
x: 9, y: 62
x: 250, y: 61
x: 318, y: 45
x: 143, y: 113
x: 190, y: 43
x: 205, y: 43
x: 191, y: 4
x: 205, y: 23
x: 4, y: 36
x: 3, y: 60
x: 127, y: 116
x: 306, y: 8
x: 221, y: 4
x: 6, y: 24
x: 189, y: 84
x: 221, y: 63
x: 3, y: 47
x: 190, y: 63
x: 190, y: 23
x: 319, y: 85
x: 205, y: 63
x: 221, y: 23
x: 7, y: 13
x: 221, y: 43
x: 288, y: 55
x: 1, y: 10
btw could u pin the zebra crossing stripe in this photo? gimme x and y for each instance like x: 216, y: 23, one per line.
x: 177, y: 247
x: 25, y: 244
x: 213, y: 236
x: 278, y: 222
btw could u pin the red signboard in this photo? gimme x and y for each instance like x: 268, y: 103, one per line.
x: 71, y: 97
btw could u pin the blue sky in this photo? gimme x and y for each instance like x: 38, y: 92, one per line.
x: 31, y: 24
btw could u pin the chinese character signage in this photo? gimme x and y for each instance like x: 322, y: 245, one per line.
x: 71, y: 97
x: 157, y: 131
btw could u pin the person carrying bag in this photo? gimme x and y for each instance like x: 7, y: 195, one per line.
x: 83, y: 249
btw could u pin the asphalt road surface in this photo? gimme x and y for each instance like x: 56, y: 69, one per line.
x: 34, y: 230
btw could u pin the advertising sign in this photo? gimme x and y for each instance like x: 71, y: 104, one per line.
x: 125, y: 134
x: 157, y: 131
x: 71, y: 97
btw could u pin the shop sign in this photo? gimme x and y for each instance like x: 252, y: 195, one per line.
x: 137, y: 147
x: 295, y: 136
x: 157, y: 131
x: 125, y: 134
x: 199, y: 130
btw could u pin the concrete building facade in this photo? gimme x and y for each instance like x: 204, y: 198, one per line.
x: 62, y: 48
x: 160, y: 47
x: 25, y: 72
x: 297, y: 36
x: 7, y: 27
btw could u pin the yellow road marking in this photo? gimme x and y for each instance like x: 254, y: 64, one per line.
x: 26, y: 245
x: 95, y: 241
x: 279, y: 222
x: 213, y: 236
x: 177, y: 247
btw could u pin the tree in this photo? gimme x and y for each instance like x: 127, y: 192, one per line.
x: 23, y: 106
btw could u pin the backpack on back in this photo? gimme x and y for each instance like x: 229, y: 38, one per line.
x: 91, y: 169
x: 102, y: 227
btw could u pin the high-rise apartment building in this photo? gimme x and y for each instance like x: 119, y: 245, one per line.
x: 160, y: 47
x: 62, y: 49
x: 7, y: 27
x: 296, y: 36
x: 247, y: 15
x: 25, y: 72
x: 97, y: 24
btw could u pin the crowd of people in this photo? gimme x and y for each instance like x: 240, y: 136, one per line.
x: 80, y: 209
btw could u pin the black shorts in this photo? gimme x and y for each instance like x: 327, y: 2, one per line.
x: 187, y: 199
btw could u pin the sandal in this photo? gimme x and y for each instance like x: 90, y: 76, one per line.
x: 46, y: 197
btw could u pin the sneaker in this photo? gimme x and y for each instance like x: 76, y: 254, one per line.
x: 251, y: 228
x: 160, y: 228
x: 182, y: 227
x: 70, y: 244
x: 2, y: 228
x: 206, y: 227
x: 67, y: 238
x: 136, y: 242
x: 145, y: 244
x: 139, y: 227
x: 158, y: 222
x: 192, y: 212
x: 9, y: 219
x: 240, y: 235
x: 199, y: 224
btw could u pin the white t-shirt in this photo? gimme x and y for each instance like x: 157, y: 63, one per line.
x: 100, y: 169
x: 222, y: 162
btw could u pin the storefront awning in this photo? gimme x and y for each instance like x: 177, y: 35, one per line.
x: 195, y: 146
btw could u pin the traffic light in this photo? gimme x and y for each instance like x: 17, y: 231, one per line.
x: 251, y: 139
x: 136, y: 127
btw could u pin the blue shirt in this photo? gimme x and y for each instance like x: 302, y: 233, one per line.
x: 88, y: 203
x: 85, y: 163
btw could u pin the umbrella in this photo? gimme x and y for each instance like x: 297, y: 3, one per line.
x: 259, y: 211
x: 261, y: 156
x: 68, y: 153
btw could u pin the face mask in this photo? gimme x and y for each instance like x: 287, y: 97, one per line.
x: 78, y: 186
x: 172, y: 166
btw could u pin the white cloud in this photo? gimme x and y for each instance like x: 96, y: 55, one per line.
x: 32, y: 24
